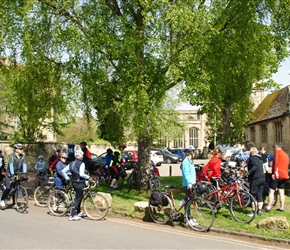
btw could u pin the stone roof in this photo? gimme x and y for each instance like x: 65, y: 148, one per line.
x: 273, y: 106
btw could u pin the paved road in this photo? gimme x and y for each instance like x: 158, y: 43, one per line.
x: 39, y: 230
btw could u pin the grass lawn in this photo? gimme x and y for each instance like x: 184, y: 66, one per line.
x: 123, y: 202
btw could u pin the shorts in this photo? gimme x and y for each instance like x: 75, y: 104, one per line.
x: 278, y: 183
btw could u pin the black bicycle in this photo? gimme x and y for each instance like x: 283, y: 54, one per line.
x: 149, y: 177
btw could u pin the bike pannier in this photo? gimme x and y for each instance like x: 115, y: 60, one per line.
x: 157, y: 198
x: 22, y: 176
x: 201, y: 187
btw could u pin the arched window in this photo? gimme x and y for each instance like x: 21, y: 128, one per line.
x: 193, y: 137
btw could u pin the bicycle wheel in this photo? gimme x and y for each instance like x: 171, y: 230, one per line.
x: 132, y: 179
x: 96, y: 206
x: 199, y: 215
x: 155, y: 183
x: 40, y: 195
x: 161, y: 214
x: 241, y: 207
x: 21, y: 199
x: 58, y: 202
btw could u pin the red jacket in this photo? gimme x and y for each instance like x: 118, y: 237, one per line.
x: 280, y: 165
x: 214, y: 166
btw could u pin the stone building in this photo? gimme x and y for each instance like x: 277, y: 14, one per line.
x: 270, y: 121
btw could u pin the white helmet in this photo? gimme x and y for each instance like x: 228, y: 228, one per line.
x: 190, y: 149
x: 40, y: 157
x: 79, y: 154
x: 64, y: 155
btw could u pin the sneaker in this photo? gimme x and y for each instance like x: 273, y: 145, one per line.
x: 2, y: 204
x: 14, y: 206
x: 182, y: 202
x: 74, y: 218
x: 259, y: 213
x: 267, y: 209
x: 82, y: 215
x: 54, y: 207
x: 280, y: 210
x: 251, y: 214
x: 192, y: 222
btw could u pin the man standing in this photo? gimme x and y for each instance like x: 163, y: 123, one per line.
x: 87, y: 158
x: 16, y: 164
x: 279, y: 176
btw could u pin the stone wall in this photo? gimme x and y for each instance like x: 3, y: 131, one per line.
x: 33, y: 150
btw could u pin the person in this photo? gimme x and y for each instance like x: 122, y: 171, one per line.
x: 115, y: 163
x: 16, y: 164
x: 214, y: 166
x: 108, y: 159
x: 53, y: 157
x: 256, y: 178
x: 59, y: 178
x: 40, y: 166
x: 264, y: 156
x: 52, y: 167
x: 77, y: 170
x: 87, y: 159
x: 2, y: 166
x: 188, y: 175
x: 279, y: 176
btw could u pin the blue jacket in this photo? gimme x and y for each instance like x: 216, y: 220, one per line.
x: 188, y: 172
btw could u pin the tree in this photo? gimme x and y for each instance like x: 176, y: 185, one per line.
x: 124, y: 55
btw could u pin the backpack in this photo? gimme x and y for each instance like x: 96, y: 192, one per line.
x: 157, y: 198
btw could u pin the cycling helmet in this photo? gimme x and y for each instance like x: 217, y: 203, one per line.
x: 40, y: 157
x: 18, y: 146
x: 190, y: 149
x: 79, y: 154
x: 64, y: 155
x: 122, y: 145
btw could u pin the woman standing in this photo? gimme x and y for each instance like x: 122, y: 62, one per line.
x: 256, y: 177
x: 188, y: 174
x: 214, y: 166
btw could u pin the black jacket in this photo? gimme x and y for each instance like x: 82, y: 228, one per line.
x: 255, y: 168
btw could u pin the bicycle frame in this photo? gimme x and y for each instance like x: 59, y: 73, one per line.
x: 224, y: 193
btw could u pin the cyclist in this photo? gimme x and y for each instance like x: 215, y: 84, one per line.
x: 2, y: 166
x: 59, y: 178
x: 77, y: 169
x: 108, y: 159
x: 40, y: 166
x: 214, y: 166
x: 114, y: 165
x: 16, y: 163
x: 87, y: 159
x: 188, y: 174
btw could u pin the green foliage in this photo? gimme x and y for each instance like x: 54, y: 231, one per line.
x: 79, y: 131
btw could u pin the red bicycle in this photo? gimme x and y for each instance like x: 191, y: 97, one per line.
x: 240, y: 202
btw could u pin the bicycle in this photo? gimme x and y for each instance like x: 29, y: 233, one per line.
x: 95, y: 205
x: 19, y: 191
x: 240, y: 201
x: 42, y: 192
x: 154, y: 181
x: 195, y: 206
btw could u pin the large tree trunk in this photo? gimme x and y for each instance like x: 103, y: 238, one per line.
x: 144, y: 145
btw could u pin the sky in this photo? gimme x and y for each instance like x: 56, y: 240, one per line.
x: 282, y: 76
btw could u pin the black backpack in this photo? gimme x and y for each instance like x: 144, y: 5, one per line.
x: 157, y: 198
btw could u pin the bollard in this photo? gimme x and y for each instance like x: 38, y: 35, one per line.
x: 170, y: 171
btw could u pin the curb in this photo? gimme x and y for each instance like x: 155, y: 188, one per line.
x: 221, y: 231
